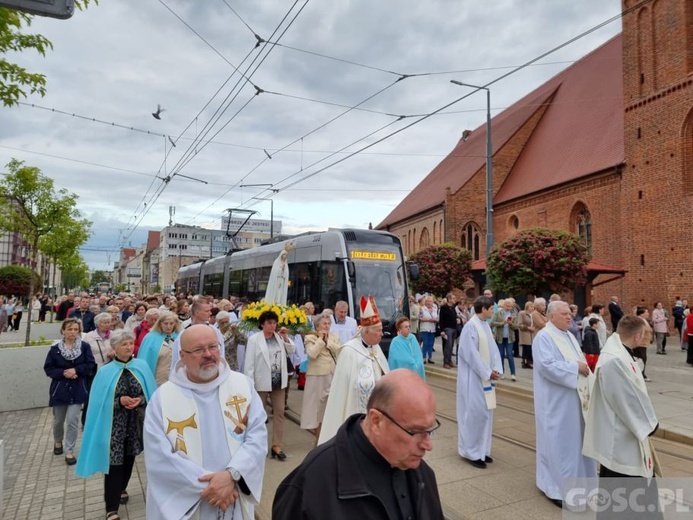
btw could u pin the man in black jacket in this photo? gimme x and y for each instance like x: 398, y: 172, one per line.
x: 373, y: 468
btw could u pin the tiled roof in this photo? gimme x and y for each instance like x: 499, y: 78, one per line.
x: 580, y: 133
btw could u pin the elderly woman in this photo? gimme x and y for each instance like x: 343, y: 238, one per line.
x: 143, y: 328
x: 157, y: 344
x: 266, y: 366
x: 233, y: 338
x: 504, y: 323
x: 137, y: 318
x: 428, y: 317
x: 404, y: 349
x: 68, y: 363
x: 99, y: 339
x: 113, y: 433
x: 116, y: 322
x: 322, y: 348
x: 526, y: 326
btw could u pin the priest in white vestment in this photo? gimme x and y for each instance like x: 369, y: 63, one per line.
x: 205, y: 438
x: 621, y: 417
x: 562, y: 383
x: 479, y: 365
x: 360, y: 364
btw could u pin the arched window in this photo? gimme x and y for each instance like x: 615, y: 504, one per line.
x: 435, y: 231
x: 688, y: 153
x: 441, y: 233
x: 425, y: 239
x: 582, y: 225
x: 470, y: 239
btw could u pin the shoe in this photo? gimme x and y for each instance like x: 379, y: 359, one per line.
x: 70, y: 460
x: 446, y: 365
x: 488, y: 460
x: 664, y: 353
x: 556, y: 502
x: 279, y: 455
x: 113, y: 515
x: 513, y: 378
x: 124, y: 497
x: 647, y: 380
x: 502, y: 376
x: 431, y: 362
x: 58, y: 448
x: 525, y: 365
x: 477, y: 463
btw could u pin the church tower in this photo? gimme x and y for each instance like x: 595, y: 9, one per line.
x: 656, y: 195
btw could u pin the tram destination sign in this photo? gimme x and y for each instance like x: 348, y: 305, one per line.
x: 373, y: 255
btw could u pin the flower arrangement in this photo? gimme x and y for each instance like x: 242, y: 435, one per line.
x: 290, y: 316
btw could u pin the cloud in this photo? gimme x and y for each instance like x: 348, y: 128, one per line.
x: 116, y: 61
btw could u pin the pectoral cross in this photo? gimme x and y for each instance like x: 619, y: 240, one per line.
x: 179, y: 426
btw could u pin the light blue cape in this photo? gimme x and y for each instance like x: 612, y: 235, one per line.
x: 95, y: 455
x: 150, y: 348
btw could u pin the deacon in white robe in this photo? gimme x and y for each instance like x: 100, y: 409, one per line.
x: 560, y: 374
x: 621, y: 417
x: 478, y: 364
x: 205, y: 438
x: 359, y: 365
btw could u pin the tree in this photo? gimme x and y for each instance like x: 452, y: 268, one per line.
x: 17, y: 280
x: 538, y: 261
x: 98, y: 277
x: 75, y: 272
x: 30, y: 207
x: 441, y: 268
x: 14, y: 79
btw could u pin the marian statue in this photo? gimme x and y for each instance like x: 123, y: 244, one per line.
x: 277, y: 285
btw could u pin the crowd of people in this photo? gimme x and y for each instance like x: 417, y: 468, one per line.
x: 177, y: 377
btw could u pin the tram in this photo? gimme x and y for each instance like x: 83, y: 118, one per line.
x: 324, y: 267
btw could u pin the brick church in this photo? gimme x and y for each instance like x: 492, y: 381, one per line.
x: 604, y: 149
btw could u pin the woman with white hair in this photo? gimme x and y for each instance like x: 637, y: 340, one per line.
x: 156, y: 346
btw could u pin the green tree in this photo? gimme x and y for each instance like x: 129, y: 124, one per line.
x: 30, y: 207
x: 14, y: 79
x: 98, y: 277
x: 441, y: 268
x: 538, y: 261
x: 17, y: 280
x: 75, y: 272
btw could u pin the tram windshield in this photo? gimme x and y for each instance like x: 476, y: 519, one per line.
x: 379, y: 272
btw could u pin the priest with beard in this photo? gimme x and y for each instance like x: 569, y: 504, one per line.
x: 205, y: 437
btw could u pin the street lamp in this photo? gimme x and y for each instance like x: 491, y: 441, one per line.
x: 489, y: 171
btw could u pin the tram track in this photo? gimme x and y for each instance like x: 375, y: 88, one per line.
x: 661, y: 449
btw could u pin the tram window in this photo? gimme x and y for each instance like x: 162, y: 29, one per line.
x: 303, y: 280
x: 235, y: 286
x: 332, y: 284
x: 263, y: 274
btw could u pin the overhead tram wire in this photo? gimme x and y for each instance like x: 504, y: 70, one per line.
x: 187, y: 156
x: 177, y: 170
x: 503, y: 76
x: 264, y: 159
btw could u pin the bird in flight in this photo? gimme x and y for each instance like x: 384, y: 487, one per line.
x: 159, y: 110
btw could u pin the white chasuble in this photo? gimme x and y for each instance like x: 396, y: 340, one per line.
x: 621, y: 416
x: 358, y: 369
x: 558, y: 413
x: 475, y: 394
x: 193, y: 430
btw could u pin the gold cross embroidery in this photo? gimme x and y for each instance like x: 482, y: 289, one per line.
x: 179, y: 426
x: 239, y: 421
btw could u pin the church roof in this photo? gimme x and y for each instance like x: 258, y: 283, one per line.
x: 580, y: 133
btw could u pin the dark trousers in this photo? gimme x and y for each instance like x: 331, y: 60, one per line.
x: 448, y: 342
x: 88, y: 381
x: 647, y: 495
x: 641, y: 352
x: 516, y: 347
x: 527, y: 358
x: 116, y: 481
x: 17, y: 320
x: 689, y: 353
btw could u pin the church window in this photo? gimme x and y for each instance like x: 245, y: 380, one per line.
x: 435, y: 229
x: 514, y: 222
x: 471, y: 239
x: 583, y: 225
x: 425, y: 239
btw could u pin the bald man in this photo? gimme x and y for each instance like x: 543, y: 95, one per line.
x: 378, y: 454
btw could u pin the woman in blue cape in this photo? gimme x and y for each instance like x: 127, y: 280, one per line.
x: 113, y: 430
x: 156, y: 346
x: 405, y: 351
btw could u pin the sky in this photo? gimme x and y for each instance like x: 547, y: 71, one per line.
x: 231, y: 103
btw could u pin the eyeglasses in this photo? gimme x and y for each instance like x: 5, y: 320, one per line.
x: 200, y: 351
x: 411, y: 433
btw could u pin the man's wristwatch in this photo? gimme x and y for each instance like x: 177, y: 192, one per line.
x: 235, y: 475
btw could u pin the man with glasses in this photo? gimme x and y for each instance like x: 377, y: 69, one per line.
x: 480, y: 365
x: 205, y: 437
x: 373, y: 467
